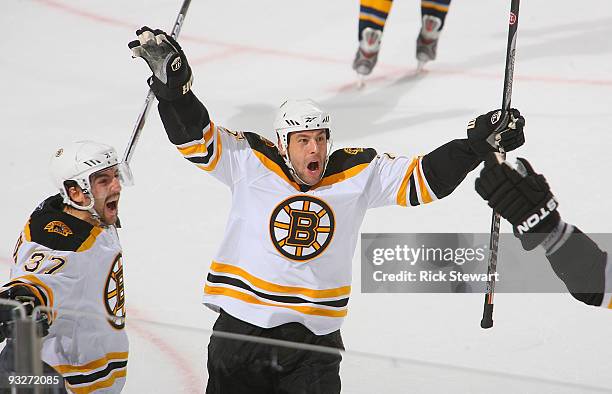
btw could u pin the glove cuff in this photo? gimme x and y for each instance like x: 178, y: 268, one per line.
x: 557, y: 237
x: 540, y: 233
x: 170, y: 93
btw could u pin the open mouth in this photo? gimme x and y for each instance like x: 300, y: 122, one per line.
x: 313, y: 166
x: 112, y: 204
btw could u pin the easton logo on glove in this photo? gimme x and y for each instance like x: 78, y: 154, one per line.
x: 537, y: 217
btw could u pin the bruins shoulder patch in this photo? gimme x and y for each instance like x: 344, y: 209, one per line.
x: 238, y: 135
x: 353, y: 151
x: 59, y: 227
x: 49, y: 226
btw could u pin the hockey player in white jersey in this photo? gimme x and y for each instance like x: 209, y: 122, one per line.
x: 68, y: 257
x: 523, y: 197
x: 283, y: 270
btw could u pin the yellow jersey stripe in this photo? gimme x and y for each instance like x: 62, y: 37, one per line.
x: 90, y: 366
x: 346, y: 174
x: 199, y: 147
x: 33, y: 288
x: 275, y: 288
x: 108, y: 382
x: 26, y: 232
x: 90, y: 240
x: 434, y: 6
x: 425, y: 196
x: 379, y: 5
x: 33, y: 279
x: 401, y: 193
x: 211, y: 166
x: 275, y: 168
x: 308, y: 310
x: 372, y: 18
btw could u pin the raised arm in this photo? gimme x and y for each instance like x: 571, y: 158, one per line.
x: 423, y: 179
x: 186, y: 120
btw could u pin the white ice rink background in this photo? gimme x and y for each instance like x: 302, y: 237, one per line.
x: 67, y: 74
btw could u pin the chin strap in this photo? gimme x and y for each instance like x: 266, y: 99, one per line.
x: 89, y: 207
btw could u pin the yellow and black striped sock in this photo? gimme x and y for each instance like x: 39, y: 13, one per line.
x: 437, y: 8
x: 373, y: 13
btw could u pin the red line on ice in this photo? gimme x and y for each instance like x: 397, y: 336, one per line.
x: 87, y: 14
x: 313, y: 58
x: 190, y: 380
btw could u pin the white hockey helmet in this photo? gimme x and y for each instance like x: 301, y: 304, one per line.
x: 300, y: 115
x: 78, y: 161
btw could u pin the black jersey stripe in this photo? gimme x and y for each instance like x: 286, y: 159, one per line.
x: 270, y: 157
x: 268, y: 149
x: 414, y: 201
x: 341, y: 303
x: 42, y: 292
x: 92, y: 377
x: 373, y: 11
x: 210, y: 150
x: 345, y: 159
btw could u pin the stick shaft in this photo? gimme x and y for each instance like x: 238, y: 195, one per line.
x: 142, y: 116
x: 487, y: 315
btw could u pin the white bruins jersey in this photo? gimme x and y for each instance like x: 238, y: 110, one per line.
x: 71, y: 265
x: 288, y: 249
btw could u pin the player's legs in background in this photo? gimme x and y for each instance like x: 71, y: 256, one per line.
x: 433, y: 13
x: 372, y: 17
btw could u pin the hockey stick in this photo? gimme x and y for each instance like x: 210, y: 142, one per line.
x: 487, y: 314
x: 140, y: 122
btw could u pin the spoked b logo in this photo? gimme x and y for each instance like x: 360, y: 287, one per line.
x: 301, y: 227
x: 114, y: 294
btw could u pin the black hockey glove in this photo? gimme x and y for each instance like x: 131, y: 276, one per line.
x: 488, y: 132
x: 522, y: 197
x: 172, y: 76
x: 8, y: 313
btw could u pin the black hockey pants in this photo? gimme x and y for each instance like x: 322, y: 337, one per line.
x: 236, y: 367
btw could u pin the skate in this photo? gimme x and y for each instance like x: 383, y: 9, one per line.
x: 427, y: 41
x: 367, y: 53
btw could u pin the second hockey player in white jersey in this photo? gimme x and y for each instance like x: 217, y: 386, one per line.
x: 69, y: 258
x: 284, y: 268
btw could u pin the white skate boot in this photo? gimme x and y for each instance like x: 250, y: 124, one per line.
x: 427, y: 41
x: 367, y: 53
